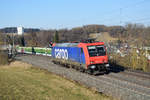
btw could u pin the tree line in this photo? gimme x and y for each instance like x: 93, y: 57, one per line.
x: 136, y: 34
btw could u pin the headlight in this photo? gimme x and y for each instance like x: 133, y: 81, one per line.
x: 107, y: 65
x: 93, y: 66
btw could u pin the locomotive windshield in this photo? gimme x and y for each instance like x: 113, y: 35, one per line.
x: 96, y: 50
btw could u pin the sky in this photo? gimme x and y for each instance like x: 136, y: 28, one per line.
x: 58, y: 14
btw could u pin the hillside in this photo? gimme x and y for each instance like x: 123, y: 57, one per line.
x: 103, y: 36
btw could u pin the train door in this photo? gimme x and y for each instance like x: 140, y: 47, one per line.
x: 82, y: 57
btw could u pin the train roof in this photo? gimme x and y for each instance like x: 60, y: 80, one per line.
x: 76, y: 44
x: 66, y: 44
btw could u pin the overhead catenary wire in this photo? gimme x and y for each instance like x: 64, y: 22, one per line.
x: 118, y: 16
x: 121, y: 14
x: 124, y: 7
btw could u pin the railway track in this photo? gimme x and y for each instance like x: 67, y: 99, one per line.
x: 131, y: 79
x: 126, y: 85
x: 124, y: 89
x: 138, y: 74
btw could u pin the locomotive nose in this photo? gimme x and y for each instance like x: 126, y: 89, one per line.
x: 98, y: 61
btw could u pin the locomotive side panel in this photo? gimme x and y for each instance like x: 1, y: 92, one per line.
x: 74, y: 54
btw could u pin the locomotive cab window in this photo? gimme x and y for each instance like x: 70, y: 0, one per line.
x: 96, y: 50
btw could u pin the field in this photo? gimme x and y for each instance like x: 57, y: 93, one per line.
x: 21, y: 81
x: 104, y: 36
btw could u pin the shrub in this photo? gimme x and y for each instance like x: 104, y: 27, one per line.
x: 132, y: 60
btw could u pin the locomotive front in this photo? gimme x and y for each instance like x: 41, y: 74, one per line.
x: 96, y: 58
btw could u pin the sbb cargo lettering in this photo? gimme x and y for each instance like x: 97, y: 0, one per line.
x: 61, y: 53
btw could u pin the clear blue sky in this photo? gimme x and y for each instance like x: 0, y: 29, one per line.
x: 51, y: 14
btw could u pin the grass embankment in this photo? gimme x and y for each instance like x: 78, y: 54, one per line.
x: 20, y: 81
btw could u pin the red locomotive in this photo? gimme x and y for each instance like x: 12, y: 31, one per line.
x: 89, y: 57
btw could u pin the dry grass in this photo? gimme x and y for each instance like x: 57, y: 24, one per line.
x: 3, y: 58
x: 21, y: 81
